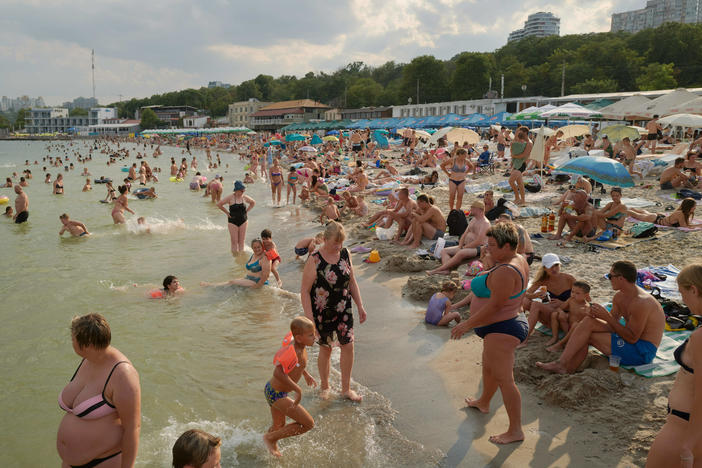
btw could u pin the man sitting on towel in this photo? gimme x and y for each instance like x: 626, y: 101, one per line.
x: 578, y: 216
x: 635, y: 342
x: 673, y: 177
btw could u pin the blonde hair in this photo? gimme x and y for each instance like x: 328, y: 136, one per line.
x: 448, y: 286
x: 300, y: 324
x: 193, y: 448
x: 690, y: 276
x: 334, y: 231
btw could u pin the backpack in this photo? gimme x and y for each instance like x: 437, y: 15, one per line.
x: 456, y: 222
x: 641, y: 230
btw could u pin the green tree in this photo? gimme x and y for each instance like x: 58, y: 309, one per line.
x: 4, y: 122
x: 19, y: 119
x: 149, y: 120
x: 427, y: 73
x: 470, y: 77
x: 364, y: 92
x: 657, y: 76
x: 592, y: 85
x: 248, y: 89
x: 78, y: 112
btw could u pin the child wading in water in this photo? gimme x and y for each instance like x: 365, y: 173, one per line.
x: 272, y: 253
x: 290, y: 362
x: 439, y: 308
x: 573, y: 311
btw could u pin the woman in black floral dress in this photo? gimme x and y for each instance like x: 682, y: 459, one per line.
x: 328, y: 286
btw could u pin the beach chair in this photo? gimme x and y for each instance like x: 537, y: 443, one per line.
x: 486, y: 167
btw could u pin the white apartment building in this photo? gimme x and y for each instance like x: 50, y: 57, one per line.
x: 540, y: 24
x: 240, y: 112
x: 657, y: 12
x: 480, y: 106
x: 56, y: 120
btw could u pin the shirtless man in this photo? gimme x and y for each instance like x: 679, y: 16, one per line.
x: 132, y: 173
x: 588, y: 142
x: 356, y: 142
x: 628, y: 153
x: 427, y: 221
x: 21, y: 206
x: 403, y: 208
x: 501, y: 143
x: 653, y: 128
x: 577, y: 216
x: 76, y: 228
x: 673, y: 177
x: 361, y: 181
x: 635, y: 343
x: 470, y: 243
x: 330, y: 212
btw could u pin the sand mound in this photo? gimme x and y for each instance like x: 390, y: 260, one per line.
x: 403, y: 264
x: 572, y: 391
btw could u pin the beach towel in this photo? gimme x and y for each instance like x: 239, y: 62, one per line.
x: 479, y: 188
x: 531, y: 211
x: 692, y: 227
x: 673, y: 197
x: 622, y: 241
x: 630, y: 202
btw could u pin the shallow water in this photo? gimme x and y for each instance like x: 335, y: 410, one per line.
x: 203, y: 359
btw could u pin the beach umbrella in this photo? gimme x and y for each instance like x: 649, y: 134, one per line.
x: 682, y: 120
x: 571, y: 110
x: 422, y: 134
x: 308, y: 149
x: 330, y: 138
x: 604, y: 170
x: 619, y: 132
x: 274, y: 143
x: 545, y: 131
x: 571, y: 131
x: 316, y: 140
x: 538, y: 150
x: 251, y: 133
x: 294, y: 137
x: 333, y: 132
x: 462, y: 134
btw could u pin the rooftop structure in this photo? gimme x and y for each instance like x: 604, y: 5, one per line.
x: 540, y: 24
x: 57, y: 120
x: 169, y: 114
x: 657, y: 12
x: 280, y: 114
x: 239, y: 113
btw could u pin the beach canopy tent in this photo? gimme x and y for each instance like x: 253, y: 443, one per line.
x: 682, y: 120
x: 663, y: 105
x: 470, y: 120
x: 622, y: 110
x: 689, y: 107
x: 604, y: 170
x: 571, y: 110
x: 499, y: 118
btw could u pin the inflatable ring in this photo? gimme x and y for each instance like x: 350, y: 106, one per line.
x: 173, y: 179
x: 102, y: 181
x: 4, y: 200
x: 156, y: 294
x: 125, y: 169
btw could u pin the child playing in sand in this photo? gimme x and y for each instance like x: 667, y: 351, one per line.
x: 439, y: 308
x: 308, y: 245
x: 290, y: 362
x: 573, y: 311
x: 248, y: 179
x: 272, y: 253
x: 330, y: 211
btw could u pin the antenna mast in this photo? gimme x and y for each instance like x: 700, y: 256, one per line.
x: 92, y: 62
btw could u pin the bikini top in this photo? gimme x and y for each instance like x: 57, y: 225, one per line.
x: 457, y: 168
x: 564, y: 296
x: 254, y: 267
x: 678, y: 357
x: 478, y: 285
x: 94, y: 407
x: 275, y: 174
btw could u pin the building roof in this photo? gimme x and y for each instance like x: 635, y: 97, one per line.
x: 367, y: 109
x: 274, y: 112
x: 294, y: 104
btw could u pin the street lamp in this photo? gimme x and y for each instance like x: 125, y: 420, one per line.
x: 524, y: 90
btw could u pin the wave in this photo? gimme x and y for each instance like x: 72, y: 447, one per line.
x: 153, y: 225
x: 8, y: 165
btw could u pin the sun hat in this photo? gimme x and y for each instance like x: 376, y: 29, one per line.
x: 550, y: 259
x: 238, y: 185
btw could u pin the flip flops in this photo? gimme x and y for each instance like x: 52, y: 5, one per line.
x: 360, y: 249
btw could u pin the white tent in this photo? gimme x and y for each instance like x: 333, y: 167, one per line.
x: 689, y: 107
x: 682, y: 120
x: 571, y: 110
x: 662, y: 105
x: 620, y: 110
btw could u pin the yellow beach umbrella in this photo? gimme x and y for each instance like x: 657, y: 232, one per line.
x: 330, y: 138
x: 571, y: 131
x: 462, y: 134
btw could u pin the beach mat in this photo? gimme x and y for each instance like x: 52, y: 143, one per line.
x: 622, y: 241
x: 692, y: 227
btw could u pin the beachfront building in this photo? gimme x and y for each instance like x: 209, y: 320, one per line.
x: 240, y: 112
x: 657, y: 12
x: 366, y: 113
x: 332, y: 114
x: 169, y: 114
x: 480, y: 106
x: 540, y: 24
x: 57, y: 120
x: 195, y: 121
x: 117, y: 127
x: 280, y: 114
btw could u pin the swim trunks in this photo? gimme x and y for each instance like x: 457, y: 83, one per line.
x: 21, y: 217
x: 271, y: 395
x: 300, y: 251
x: 437, y: 234
x: 356, y: 147
x: 667, y: 185
x: 651, y: 136
x: 641, y: 352
x: 500, y: 147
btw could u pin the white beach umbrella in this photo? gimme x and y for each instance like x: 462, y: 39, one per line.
x: 462, y: 134
x: 682, y: 120
x: 434, y: 139
x: 663, y: 105
x: 544, y: 130
x: 620, y: 110
x: 571, y: 110
x: 690, y: 107
x: 539, y: 148
x: 308, y: 149
x: 571, y: 131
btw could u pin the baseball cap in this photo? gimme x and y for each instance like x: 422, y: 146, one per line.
x: 550, y: 259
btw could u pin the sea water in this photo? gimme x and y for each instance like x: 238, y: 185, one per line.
x: 202, y: 358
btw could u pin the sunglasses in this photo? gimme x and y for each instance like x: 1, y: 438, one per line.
x: 612, y: 275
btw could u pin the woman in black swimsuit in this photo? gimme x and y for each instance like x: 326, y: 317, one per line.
x: 58, y: 185
x: 237, y: 215
x: 679, y: 443
x: 678, y: 218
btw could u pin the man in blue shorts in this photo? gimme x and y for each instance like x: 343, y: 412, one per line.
x: 635, y: 342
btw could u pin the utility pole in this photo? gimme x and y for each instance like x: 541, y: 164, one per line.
x: 563, y: 80
x: 502, y: 86
x: 417, y: 90
x: 92, y: 63
x: 345, y: 90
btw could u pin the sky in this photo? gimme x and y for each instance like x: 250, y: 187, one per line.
x: 150, y: 47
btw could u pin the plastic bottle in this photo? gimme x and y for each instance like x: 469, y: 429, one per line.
x: 544, y: 223
x: 551, y: 221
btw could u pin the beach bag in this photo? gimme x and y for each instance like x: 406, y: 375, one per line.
x: 687, y: 193
x: 642, y: 230
x: 532, y: 187
x: 456, y: 222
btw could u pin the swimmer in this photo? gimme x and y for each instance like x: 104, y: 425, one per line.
x: 171, y: 287
x: 308, y: 245
x: 290, y: 364
x: 121, y: 204
x: 76, y: 228
x: 8, y: 212
x: 272, y: 254
x: 196, y: 448
x: 141, y: 224
x: 87, y: 187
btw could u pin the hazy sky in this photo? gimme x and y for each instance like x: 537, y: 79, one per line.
x: 152, y: 46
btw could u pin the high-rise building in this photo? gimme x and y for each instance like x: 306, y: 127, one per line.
x: 657, y: 12
x: 540, y: 24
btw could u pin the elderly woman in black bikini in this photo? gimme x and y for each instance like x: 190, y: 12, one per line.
x: 679, y: 443
x: 678, y: 218
x: 102, y: 401
x: 552, y: 287
x: 496, y: 317
x: 457, y: 176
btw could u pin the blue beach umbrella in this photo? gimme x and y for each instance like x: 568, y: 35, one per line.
x: 273, y: 142
x: 294, y: 137
x: 603, y: 170
x: 333, y: 132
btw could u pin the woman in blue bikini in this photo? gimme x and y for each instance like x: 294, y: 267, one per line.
x: 292, y: 185
x: 496, y: 317
x: 457, y: 176
x: 258, y: 268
